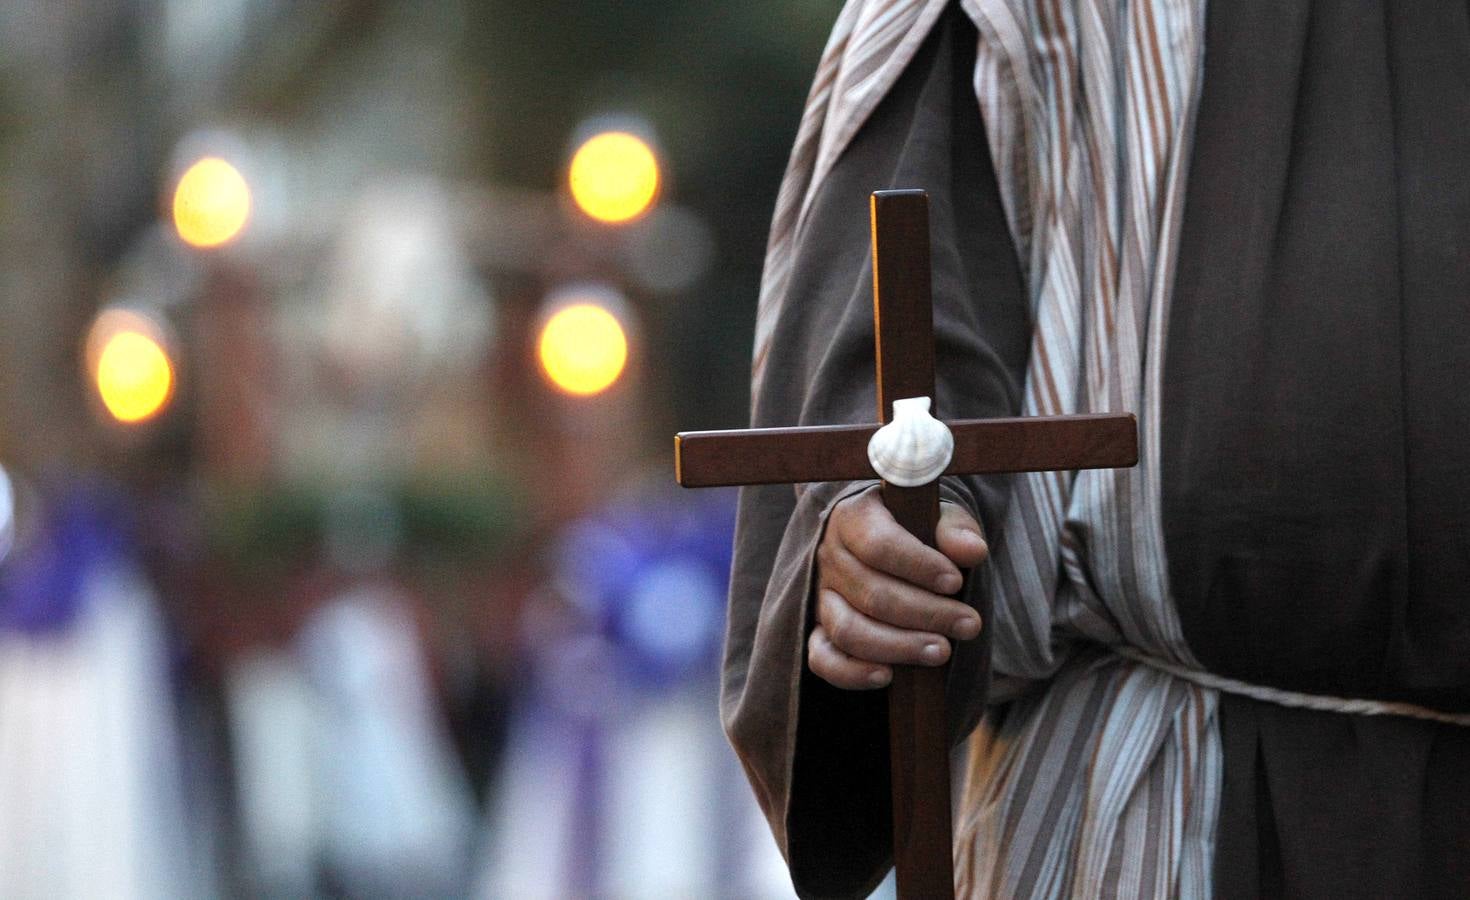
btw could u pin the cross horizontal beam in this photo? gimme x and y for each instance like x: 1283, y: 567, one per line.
x: 840, y: 452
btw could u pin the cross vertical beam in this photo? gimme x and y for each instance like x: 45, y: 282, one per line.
x: 918, y: 743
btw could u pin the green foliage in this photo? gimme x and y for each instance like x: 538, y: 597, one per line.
x: 466, y: 520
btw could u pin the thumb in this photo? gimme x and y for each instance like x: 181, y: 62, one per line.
x: 958, y: 536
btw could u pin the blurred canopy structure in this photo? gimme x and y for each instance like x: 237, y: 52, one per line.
x: 106, y: 104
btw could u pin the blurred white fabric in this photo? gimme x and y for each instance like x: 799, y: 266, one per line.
x: 274, y: 731
x: 90, y: 796
x: 674, y: 817
x: 346, y: 772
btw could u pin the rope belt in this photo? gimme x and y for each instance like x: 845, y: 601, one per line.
x: 1295, y: 699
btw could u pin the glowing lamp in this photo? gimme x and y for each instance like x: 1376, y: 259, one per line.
x: 583, y: 349
x: 211, y: 203
x: 130, y: 367
x: 614, y: 177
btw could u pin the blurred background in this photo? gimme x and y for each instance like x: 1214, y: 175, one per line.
x: 341, y: 345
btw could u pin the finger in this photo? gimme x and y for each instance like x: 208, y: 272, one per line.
x: 840, y: 670
x: 891, y: 600
x: 868, y: 531
x: 868, y: 640
x: 958, y: 536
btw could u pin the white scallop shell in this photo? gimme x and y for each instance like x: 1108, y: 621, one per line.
x: 913, y: 448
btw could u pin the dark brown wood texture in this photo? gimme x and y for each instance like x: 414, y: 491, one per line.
x: 918, y: 746
x: 840, y: 452
x: 903, y: 318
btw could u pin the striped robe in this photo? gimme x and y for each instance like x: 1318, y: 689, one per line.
x: 1093, y: 775
x: 1091, y: 186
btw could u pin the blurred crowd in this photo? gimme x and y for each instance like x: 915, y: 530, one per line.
x: 340, y: 349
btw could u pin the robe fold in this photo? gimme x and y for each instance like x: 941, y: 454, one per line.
x: 1315, y: 466
x: 1276, y: 277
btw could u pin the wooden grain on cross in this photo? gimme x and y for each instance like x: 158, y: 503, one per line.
x: 904, y: 327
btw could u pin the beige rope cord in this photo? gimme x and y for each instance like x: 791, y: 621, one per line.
x: 1295, y: 699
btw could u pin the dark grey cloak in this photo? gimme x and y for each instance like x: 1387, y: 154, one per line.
x: 1315, y: 453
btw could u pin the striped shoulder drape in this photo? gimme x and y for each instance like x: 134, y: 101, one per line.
x: 869, y: 47
x: 1102, y: 778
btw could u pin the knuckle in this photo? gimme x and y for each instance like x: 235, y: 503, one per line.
x: 840, y: 631
x: 870, y: 599
x: 825, y: 613
x: 877, y: 603
x: 828, y: 665
x: 819, y: 665
x: 819, y: 656
x: 823, y: 669
x: 947, y: 578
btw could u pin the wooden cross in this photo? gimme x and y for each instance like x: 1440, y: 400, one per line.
x: 904, y: 324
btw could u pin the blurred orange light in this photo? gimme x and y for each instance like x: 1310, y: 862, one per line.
x: 211, y: 203
x: 583, y: 349
x: 614, y: 177
x: 134, y: 376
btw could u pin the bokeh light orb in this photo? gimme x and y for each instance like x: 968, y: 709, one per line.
x: 130, y: 365
x: 211, y: 203
x: 134, y: 377
x: 583, y: 349
x: 614, y: 177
